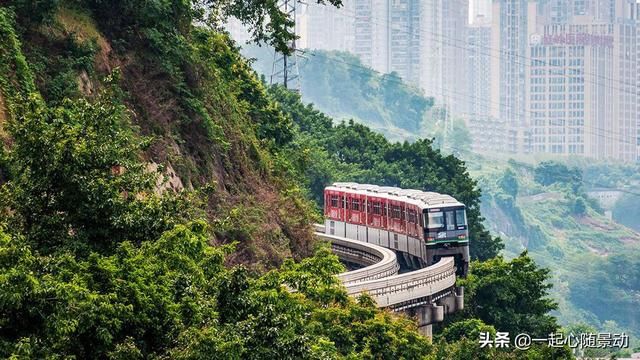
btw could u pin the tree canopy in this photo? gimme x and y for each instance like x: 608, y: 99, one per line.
x: 511, y: 295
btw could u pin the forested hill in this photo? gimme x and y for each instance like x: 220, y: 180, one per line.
x: 339, y: 85
x: 154, y: 195
x: 202, y: 114
x: 555, y: 220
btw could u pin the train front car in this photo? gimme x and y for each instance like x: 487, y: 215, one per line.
x: 446, y: 233
x: 421, y: 226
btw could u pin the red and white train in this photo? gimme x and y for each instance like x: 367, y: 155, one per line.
x: 426, y: 225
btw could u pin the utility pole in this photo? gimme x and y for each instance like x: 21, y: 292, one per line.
x: 285, y: 67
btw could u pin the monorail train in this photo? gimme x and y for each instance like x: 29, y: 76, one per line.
x: 426, y: 225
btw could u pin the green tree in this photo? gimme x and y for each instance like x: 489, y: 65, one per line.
x: 579, y: 206
x: 551, y: 172
x: 469, y: 329
x: 622, y: 308
x: 511, y: 295
x: 509, y: 183
x: 29, y: 13
x: 626, y: 211
x: 77, y: 179
x: 264, y: 19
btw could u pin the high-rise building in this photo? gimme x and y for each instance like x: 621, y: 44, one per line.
x: 509, y: 34
x: 568, y: 76
x: 582, y: 80
x: 371, y: 35
x: 488, y: 133
x: 444, y: 25
x: 387, y: 36
x: 405, y: 39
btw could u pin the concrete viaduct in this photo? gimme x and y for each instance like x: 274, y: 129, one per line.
x: 427, y: 294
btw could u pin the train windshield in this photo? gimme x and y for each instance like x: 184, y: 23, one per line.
x: 451, y: 222
x: 446, y: 218
x: 435, y: 220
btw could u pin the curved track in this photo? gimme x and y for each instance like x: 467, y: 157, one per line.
x: 380, y: 279
x: 377, y: 261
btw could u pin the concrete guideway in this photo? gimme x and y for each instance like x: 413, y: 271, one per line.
x: 406, y: 288
x: 377, y: 262
x: 427, y: 294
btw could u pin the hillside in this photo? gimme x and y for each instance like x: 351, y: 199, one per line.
x: 594, y: 260
x: 200, y: 135
x: 581, y: 250
x: 339, y: 85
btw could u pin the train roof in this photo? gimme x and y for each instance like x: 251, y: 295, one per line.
x: 420, y: 198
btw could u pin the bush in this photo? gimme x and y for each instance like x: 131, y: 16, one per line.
x: 30, y: 13
x: 579, y: 206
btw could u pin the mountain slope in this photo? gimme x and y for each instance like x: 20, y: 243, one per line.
x: 339, y: 85
x: 594, y: 260
x: 209, y: 118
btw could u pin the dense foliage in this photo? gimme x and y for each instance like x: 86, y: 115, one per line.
x: 100, y: 259
x: 551, y: 172
x: 511, y: 295
x: 618, y: 281
x: 567, y: 231
x: 627, y: 211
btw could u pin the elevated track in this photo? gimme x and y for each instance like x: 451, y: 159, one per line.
x: 428, y: 293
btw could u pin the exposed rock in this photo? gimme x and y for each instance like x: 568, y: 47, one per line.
x: 85, y: 85
x: 170, y: 181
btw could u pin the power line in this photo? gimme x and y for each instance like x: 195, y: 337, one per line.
x: 458, y: 95
x: 500, y: 51
x: 285, y: 67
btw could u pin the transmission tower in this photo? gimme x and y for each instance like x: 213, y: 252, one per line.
x: 285, y: 67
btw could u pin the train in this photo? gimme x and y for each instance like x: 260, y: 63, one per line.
x: 421, y: 226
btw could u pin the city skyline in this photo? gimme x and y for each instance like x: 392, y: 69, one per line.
x: 545, y: 76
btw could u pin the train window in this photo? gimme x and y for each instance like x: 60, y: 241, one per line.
x: 402, y: 216
x: 384, y: 209
x: 451, y: 224
x: 436, y: 220
x: 460, y: 218
x: 376, y: 208
x: 412, y: 216
x: 355, y: 204
x: 334, y: 201
x: 344, y: 203
x: 395, y: 212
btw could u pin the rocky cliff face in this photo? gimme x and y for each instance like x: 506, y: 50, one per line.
x: 197, y: 100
